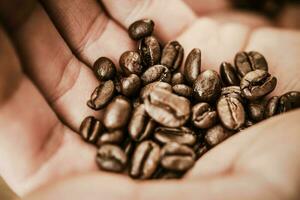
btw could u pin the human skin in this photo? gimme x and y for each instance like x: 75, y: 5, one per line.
x: 46, y: 81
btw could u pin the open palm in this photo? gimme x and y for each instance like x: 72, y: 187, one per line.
x: 58, y: 43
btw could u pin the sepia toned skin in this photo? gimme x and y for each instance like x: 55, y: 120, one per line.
x: 49, y: 82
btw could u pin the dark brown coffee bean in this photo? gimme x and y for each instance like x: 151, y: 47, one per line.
x: 102, y: 95
x: 90, y: 129
x: 172, y: 55
x: 256, y: 110
x: 257, y: 84
x: 156, y: 73
x: 203, y: 116
x: 111, y: 158
x: 289, y: 101
x: 182, y: 135
x: 140, y: 29
x: 141, y: 126
x: 231, y: 112
x: 149, y: 49
x: 216, y: 135
x: 257, y: 61
x: 167, y: 109
x: 192, y: 66
x: 117, y: 113
x: 104, y: 69
x: 128, y: 145
x: 183, y: 90
x: 114, y: 137
x: 145, y: 160
x: 228, y: 74
x: 145, y: 91
x: 136, y: 102
x: 131, y: 63
x: 177, y: 157
x: 177, y: 78
x: 272, y: 107
x: 242, y: 64
x: 200, y: 149
x: 207, y: 86
x: 233, y: 91
x: 130, y: 86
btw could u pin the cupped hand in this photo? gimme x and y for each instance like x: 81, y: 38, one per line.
x: 60, y: 40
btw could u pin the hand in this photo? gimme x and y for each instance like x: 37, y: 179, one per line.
x: 61, y: 39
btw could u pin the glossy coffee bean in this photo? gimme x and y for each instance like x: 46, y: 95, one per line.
x: 272, y: 107
x: 257, y: 84
x: 114, y: 137
x: 257, y: 61
x: 167, y: 109
x: 104, y: 69
x: 203, y: 116
x: 90, y: 129
x: 177, y: 157
x: 145, y: 91
x: 233, y: 91
x: 207, y: 86
x: 117, y: 113
x: 156, y: 73
x: 231, y: 112
x: 145, y: 160
x: 172, y: 55
x: 149, y: 49
x: 128, y: 146
x: 183, y: 90
x: 256, y: 111
x: 182, y: 135
x: 140, y: 29
x: 192, y: 67
x: 228, y: 74
x: 130, y: 86
x: 216, y: 135
x: 102, y: 95
x: 111, y: 158
x: 131, y: 63
x: 177, y: 78
x: 141, y: 126
x: 289, y: 101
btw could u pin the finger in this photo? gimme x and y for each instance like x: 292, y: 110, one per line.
x: 203, y: 7
x: 88, y: 30
x: 65, y: 81
x: 33, y: 143
x: 171, y: 18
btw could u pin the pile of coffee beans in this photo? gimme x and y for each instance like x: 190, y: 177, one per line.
x: 159, y: 120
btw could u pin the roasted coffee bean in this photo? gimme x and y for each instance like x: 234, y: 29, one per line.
x: 203, y: 116
x: 231, y: 112
x: 256, y: 111
x: 167, y: 109
x: 216, y: 135
x: 233, y: 91
x: 140, y: 29
x: 228, y: 74
x: 114, y: 137
x: 117, y: 83
x: 136, y: 102
x: 102, y: 95
x: 131, y: 63
x: 192, y: 67
x: 289, y: 101
x: 182, y: 135
x: 130, y: 86
x: 172, y: 55
x: 207, y: 86
x: 145, y: 91
x: 128, y: 145
x: 257, y: 84
x: 141, y: 126
x: 177, y: 157
x: 90, y: 129
x: 156, y: 73
x: 104, y: 69
x: 257, y: 61
x: 111, y: 158
x: 183, y: 90
x: 145, y: 160
x: 200, y: 149
x: 149, y: 49
x: 117, y: 113
x: 272, y: 107
x: 177, y: 78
